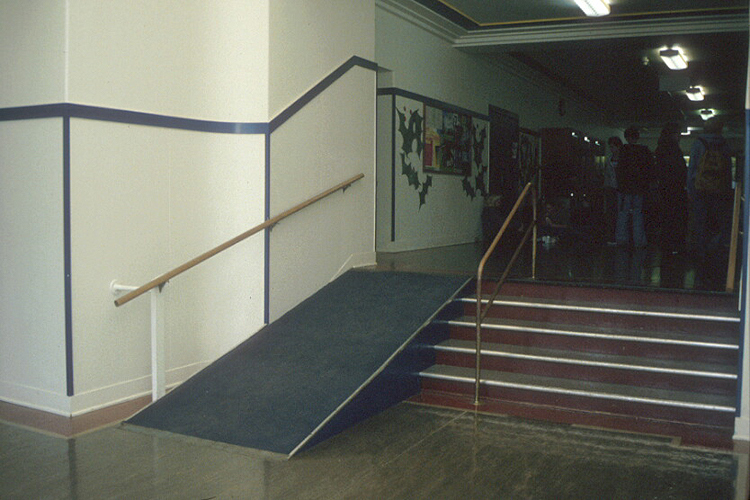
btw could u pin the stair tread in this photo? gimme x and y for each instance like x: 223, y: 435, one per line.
x: 590, y: 358
x: 586, y: 388
x: 656, y: 336
x: 731, y: 315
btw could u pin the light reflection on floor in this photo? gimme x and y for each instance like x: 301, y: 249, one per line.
x: 584, y: 263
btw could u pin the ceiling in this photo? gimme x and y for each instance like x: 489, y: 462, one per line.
x: 612, y: 62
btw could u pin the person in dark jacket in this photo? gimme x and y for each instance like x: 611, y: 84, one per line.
x: 670, y: 174
x: 634, y: 166
x: 711, y: 208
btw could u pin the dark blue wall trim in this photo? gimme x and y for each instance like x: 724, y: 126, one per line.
x: 393, y: 167
x: 67, y: 110
x: 745, y: 270
x: 319, y: 88
x: 431, y: 102
x: 67, y: 260
x: 267, y: 238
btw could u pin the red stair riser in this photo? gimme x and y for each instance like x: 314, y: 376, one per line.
x: 615, y: 296
x: 596, y: 345
x: 704, y: 385
x: 607, y: 320
x: 689, y: 434
x: 654, y: 411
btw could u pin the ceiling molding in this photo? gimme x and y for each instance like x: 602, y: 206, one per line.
x: 422, y: 17
x: 516, y: 36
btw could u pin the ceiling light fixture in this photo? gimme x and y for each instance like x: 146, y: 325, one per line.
x: 594, y: 8
x: 673, y: 58
x: 707, y: 113
x: 695, y: 93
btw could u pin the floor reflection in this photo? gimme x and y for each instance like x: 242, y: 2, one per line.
x: 594, y: 263
x: 408, y: 451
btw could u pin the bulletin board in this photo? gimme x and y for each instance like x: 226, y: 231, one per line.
x: 447, y: 142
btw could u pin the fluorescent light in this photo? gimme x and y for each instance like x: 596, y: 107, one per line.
x: 695, y: 93
x: 593, y: 7
x: 673, y: 58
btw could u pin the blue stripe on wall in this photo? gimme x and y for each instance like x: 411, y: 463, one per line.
x: 67, y: 110
x: 745, y: 277
x: 393, y: 168
x: 311, y: 94
x: 67, y: 260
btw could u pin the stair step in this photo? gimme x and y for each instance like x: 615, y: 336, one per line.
x: 633, y: 316
x: 678, y: 374
x: 674, y: 367
x: 613, y: 295
x: 682, y: 401
x: 655, y: 337
x: 708, y: 314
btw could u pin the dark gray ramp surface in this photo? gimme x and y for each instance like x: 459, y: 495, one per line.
x: 278, y: 388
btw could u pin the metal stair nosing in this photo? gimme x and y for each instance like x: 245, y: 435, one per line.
x: 601, y: 335
x: 562, y: 305
x: 464, y: 375
x: 497, y: 350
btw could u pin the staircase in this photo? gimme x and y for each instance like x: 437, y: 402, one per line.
x: 637, y: 360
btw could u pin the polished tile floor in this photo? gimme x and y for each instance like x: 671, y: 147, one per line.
x: 407, y: 452
x: 583, y: 262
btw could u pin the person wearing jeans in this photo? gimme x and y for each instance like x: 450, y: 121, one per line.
x: 633, y: 171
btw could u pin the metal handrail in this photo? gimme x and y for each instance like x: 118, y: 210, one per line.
x: 162, y: 279
x: 532, y: 229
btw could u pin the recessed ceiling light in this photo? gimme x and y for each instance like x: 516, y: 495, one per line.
x: 594, y: 8
x: 707, y: 113
x: 695, y: 93
x: 673, y: 58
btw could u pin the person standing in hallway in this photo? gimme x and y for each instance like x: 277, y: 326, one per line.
x: 634, y: 166
x: 671, y: 203
x: 610, y: 188
x: 709, y: 187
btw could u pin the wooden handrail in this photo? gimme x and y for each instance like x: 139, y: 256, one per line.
x: 532, y: 229
x: 732, y: 265
x: 161, y: 280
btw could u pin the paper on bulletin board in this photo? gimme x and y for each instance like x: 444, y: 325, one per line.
x: 447, y: 142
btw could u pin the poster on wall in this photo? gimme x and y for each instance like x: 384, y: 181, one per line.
x: 447, y: 142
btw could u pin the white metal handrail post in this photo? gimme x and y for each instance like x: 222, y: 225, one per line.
x: 158, y: 365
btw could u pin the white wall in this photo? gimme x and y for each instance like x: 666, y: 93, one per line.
x: 189, y: 58
x: 32, y: 298
x: 308, y: 40
x: 142, y: 199
x: 328, y: 141
x: 147, y: 199
x: 32, y: 52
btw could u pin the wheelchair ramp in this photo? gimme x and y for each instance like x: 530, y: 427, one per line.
x: 346, y: 353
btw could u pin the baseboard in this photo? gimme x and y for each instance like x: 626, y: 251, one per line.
x: 86, y: 402
x: 407, y: 245
x: 357, y: 260
x: 35, y: 398
x: 118, y: 393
